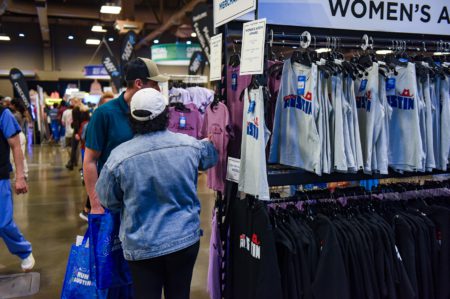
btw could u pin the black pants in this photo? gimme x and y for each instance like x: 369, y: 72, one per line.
x: 73, y: 153
x: 173, y: 272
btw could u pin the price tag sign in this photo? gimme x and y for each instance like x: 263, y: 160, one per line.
x: 216, y: 58
x: 233, y: 169
x: 253, y: 39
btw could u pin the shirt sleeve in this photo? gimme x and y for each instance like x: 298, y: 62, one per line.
x: 209, y: 155
x: 108, y: 190
x: 8, y: 124
x: 96, y: 132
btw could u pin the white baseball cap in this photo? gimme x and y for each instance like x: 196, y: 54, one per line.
x: 147, y: 99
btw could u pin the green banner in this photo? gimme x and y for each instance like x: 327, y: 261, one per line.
x: 174, y: 52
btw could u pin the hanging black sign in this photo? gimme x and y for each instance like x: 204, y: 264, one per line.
x: 127, y: 48
x: 113, y: 70
x: 202, y: 22
x: 197, y: 64
x: 20, y: 86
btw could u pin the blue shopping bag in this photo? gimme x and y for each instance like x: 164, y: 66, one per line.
x: 111, y: 269
x: 79, y: 281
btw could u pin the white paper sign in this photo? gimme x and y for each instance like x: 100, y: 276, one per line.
x: 215, y: 70
x: 412, y: 16
x: 252, y: 53
x: 228, y: 10
x: 233, y: 169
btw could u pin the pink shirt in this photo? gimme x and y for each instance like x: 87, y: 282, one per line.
x: 191, y: 124
x: 235, y: 86
x: 216, y: 123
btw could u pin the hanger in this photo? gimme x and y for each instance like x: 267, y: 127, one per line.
x: 180, y: 107
x: 281, y: 56
x: 235, y: 58
x: 254, y: 84
x: 272, y: 55
x: 215, y: 102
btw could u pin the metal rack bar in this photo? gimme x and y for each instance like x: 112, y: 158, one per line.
x: 285, y: 176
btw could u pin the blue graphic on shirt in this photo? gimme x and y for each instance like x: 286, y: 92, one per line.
x: 405, y: 101
x: 252, y: 128
x: 303, y: 103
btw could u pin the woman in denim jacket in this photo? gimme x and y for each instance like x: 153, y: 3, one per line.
x: 152, y: 181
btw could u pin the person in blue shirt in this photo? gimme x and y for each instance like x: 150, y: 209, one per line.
x: 109, y: 125
x: 152, y: 181
x: 9, y: 232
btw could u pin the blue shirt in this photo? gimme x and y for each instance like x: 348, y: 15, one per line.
x: 9, y: 127
x: 152, y: 181
x: 108, y: 128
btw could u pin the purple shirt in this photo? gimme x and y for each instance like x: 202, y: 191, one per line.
x: 189, y: 123
x: 235, y: 87
x: 215, y: 124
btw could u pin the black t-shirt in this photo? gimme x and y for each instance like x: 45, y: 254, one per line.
x: 254, y: 271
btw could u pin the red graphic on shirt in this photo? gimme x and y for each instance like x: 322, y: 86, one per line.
x: 308, y: 96
x: 255, y: 240
x: 406, y: 93
x: 369, y: 95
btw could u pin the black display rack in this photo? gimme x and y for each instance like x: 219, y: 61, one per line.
x: 279, y: 175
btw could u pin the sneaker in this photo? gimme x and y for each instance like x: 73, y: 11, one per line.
x: 28, y: 263
x: 83, y: 215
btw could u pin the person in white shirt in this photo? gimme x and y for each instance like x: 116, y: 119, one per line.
x: 66, y: 121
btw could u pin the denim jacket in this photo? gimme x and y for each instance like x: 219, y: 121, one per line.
x: 152, y: 181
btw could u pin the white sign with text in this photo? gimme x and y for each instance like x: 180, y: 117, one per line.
x: 233, y: 169
x: 252, y: 53
x: 215, y: 71
x: 412, y: 16
x: 228, y: 10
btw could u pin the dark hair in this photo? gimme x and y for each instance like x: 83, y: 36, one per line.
x: 130, y: 84
x: 159, y: 123
x: 19, y: 105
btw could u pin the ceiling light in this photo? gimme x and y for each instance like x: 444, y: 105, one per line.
x: 193, y: 34
x: 4, y: 37
x: 98, y: 28
x: 110, y: 8
x: 384, y: 52
x: 111, y: 39
x: 441, y: 53
x: 323, y: 50
x: 156, y: 41
x: 21, y: 35
x: 70, y: 37
x: 294, y: 47
x: 92, y: 41
x: 188, y: 42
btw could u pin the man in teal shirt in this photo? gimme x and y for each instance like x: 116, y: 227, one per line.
x: 109, y: 126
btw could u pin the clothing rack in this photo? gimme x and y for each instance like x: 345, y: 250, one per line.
x: 306, y: 40
x: 280, y: 175
x: 286, y: 36
x: 313, y: 195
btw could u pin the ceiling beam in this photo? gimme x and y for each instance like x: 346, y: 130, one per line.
x: 128, y: 11
x: 41, y: 7
x: 172, y: 21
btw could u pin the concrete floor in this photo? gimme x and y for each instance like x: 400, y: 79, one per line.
x: 48, y: 217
